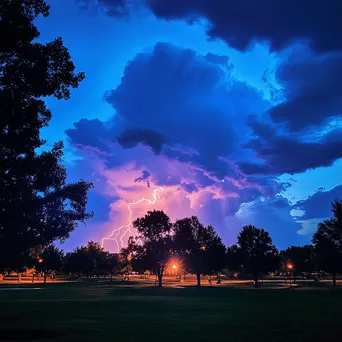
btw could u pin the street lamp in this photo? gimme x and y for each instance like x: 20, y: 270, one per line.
x: 40, y: 260
x: 290, y: 267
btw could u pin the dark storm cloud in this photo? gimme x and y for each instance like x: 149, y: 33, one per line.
x: 311, y: 85
x: 189, y: 187
x: 133, y: 136
x: 186, y: 97
x: 190, y: 109
x: 318, y: 205
x: 90, y: 134
x: 279, y: 153
x: 143, y: 178
x: 240, y: 22
x: 312, y: 88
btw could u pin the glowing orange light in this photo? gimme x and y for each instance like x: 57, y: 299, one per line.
x: 40, y: 260
x: 203, y: 248
x: 290, y: 266
x: 118, y: 234
x: 174, y: 266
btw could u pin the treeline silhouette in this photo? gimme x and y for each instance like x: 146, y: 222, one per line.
x: 199, y: 250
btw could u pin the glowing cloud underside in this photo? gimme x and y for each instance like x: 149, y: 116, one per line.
x: 118, y: 234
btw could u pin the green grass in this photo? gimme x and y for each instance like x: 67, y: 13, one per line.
x: 112, y: 312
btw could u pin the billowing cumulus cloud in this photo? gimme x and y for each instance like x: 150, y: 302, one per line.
x: 211, y: 144
x: 180, y: 121
x: 208, y: 142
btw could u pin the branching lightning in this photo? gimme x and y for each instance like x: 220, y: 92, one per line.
x: 118, y: 234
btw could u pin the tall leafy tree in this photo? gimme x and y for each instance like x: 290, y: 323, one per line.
x: 87, y: 260
x: 37, y: 204
x: 254, y: 253
x: 98, y: 258
x: 79, y: 262
x: 328, y: 242
x: 154, y: 241
x: 113, y: 265
x: 301, y: 259
x: 50, y: 261
x: 200, y: 247
x: 135, y: 257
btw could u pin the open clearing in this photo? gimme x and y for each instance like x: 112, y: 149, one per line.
x: 130, y: 312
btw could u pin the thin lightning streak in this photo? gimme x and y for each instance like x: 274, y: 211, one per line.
x: 127, y: 228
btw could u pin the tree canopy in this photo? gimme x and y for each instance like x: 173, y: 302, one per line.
x: 200, y: 248
x: 37, y: 203
x: 254, y: 252
x: 154, y: 241
x: 49, y: 261
x: 328, y: 242
x: 301, y: 259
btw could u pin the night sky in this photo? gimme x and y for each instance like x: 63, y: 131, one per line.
x: 231, y: 109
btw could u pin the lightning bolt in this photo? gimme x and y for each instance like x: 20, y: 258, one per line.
x: 118, y: 234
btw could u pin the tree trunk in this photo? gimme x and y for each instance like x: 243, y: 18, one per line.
x: 160, y: 280
x: 198, y: 276
x: 111, y: 277
x: 45, y: 275
x: 256, y: 281
x: 294, y: 278
x: 334, y: 279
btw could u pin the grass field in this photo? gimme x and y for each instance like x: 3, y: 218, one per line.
x: 116, y: 312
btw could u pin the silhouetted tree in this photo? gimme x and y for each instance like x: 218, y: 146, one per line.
x: 79, y: 262
x: 113, y: 265
x: 328, y: 242
x: 136, y: 257
x: 301, y: 258
x: 37, y: 204
x: 200, y: 247
x: 254, y: 252
x: 233, y: 259
x: 154, y: 240
x: 49, y: 261
x: 98, y: 258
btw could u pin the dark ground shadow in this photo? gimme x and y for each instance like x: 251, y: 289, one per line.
x: 29, y: 335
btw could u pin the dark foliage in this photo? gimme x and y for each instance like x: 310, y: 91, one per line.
x: 50, y: 261
x: 328, y: 242
x: 37, y: 204
x: 301, y: 259
x: 254, y: 253
x: 154, y: 242
x: 200, y: 248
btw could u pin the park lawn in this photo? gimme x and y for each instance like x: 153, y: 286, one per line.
x: 112, y: 312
